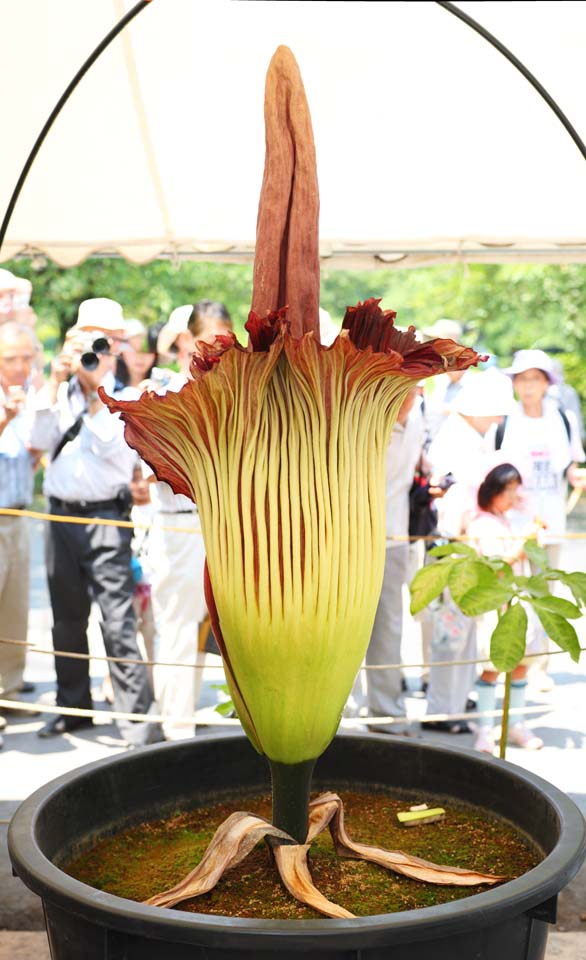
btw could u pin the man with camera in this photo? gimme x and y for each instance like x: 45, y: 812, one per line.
x: 18, y: 346
x: 88, y: 475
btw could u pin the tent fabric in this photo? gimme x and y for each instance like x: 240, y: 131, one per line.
x: 431, y: 147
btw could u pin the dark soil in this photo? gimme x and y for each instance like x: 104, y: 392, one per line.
x: 152, y: 857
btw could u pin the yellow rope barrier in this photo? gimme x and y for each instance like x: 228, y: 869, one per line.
x: 197, y: 666
x: 102, y: 521
x: 203, y: 716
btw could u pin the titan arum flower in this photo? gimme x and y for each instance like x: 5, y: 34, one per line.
x: 282, y: 446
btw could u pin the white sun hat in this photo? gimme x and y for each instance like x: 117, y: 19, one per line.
x: 100, y: 313
x: 532, y: 360
x: 134, y: 328
x: 488, y: 394
x: 176, y: 324
x: 443, y: 329
x: 8, y: 282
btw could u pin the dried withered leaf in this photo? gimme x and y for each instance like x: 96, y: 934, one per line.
x: 328, y: 810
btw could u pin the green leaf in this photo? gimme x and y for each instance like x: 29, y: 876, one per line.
x: 476, y: 588
x: 561, y: 632
x: 428, y: 583
x: 577, y: 584
x: 503, y: 570
x: 536, y: 554
x: 556, y: 605
x: 537, y: 586
x: 507, y: 643
x: 481, y: 600
x: 225, y: 709
x: 447, y: 549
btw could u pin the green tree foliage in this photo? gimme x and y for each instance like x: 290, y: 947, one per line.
x: 503, y: 307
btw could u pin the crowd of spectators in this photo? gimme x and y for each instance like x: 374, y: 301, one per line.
x: 495, y: 451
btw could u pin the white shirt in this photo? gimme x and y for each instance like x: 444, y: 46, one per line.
x: 461, y: 450
x: 16, y: 464
x: 162, y: 497
x: 98, y: 462
x: 540, y: 449
x: 402, y: 456
x: 441, y: 392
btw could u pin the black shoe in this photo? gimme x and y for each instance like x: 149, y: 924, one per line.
x: 59, y: 725
x: 27, y: 687
x: 447, y: 726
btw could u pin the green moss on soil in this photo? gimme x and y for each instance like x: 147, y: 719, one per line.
x: 152, y: 857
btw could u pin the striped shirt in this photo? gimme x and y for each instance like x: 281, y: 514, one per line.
x: 16, y: 465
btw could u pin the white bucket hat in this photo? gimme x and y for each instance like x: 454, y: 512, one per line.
x: 101, y: 314
x: 488, y: 394
x: 532, y: 360
x: 176, y: 324
x: 8, y: 282
x: 443, y: 329
x: 134, y: 328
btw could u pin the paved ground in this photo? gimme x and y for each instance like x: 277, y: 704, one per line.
x: 27, y: 762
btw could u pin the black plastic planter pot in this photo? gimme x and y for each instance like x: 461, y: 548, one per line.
x: 67, y: 815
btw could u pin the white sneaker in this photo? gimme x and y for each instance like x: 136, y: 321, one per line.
x: 521, y: 736
x: 484, y: 740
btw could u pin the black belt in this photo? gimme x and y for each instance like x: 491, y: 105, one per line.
x: 174, y: 513
x: 85, y: 506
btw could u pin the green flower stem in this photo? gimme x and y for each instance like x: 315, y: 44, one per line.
x: 291, y: 786
x: 505, y: 723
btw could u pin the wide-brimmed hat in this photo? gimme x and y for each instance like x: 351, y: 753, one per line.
x: 532, y: 360
x: 99, y: 313
x: 443, y: 329
x: 8, y: 282
x: 488, y: 394
x: 176, y: 324
x: 134, y: 328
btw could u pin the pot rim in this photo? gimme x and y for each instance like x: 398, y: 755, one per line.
x: 516, y: 896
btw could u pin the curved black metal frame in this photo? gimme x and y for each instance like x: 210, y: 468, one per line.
x: 450, y: 7
x: 59, y: 106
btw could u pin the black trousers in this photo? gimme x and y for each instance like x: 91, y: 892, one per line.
x: 88, y: 562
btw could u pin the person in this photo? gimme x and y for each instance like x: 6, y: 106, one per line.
x: 384, y: 687
x: 565, y: 395
x: 88, y: 475
x: 176, y: 557
x: 492, y: 535
x: 138, y: 354
x: 8, y: 288
x: 463, y: 446
x: 441, y: 391
x: 18, y: 346
x: 542, y: 439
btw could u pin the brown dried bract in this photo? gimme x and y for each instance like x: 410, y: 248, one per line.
x: 231, y: 843
x: 328, y: 810
x: 240, y: 833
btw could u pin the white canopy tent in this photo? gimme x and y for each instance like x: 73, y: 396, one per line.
x: 431, y: 146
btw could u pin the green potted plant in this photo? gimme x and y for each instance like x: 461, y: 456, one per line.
x: 282, y: 446
x: 489, y: 584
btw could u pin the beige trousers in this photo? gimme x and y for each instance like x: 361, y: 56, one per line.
x: 176, y: 562
x: 14, y: 596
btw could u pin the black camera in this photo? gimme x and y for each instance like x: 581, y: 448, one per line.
x: 100, y: 348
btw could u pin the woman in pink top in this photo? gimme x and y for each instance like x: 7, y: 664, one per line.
x: 491, y: 534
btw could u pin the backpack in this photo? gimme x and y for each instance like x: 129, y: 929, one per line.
x: 500, y: 430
